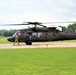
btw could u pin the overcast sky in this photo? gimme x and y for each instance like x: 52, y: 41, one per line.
x: 18, y: 11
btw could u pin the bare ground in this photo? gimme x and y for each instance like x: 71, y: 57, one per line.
x: 49, y: 45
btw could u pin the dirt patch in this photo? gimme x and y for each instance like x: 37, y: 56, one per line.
x: 50, y: 45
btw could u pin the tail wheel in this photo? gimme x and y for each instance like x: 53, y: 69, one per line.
x: 29, y: 43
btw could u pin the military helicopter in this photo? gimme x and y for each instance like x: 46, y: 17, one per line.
x: 41, y: 34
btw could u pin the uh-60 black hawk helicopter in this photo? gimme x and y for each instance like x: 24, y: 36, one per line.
x: 40, y: 34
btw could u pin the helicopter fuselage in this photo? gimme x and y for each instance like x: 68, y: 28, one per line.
x: 41, y: 36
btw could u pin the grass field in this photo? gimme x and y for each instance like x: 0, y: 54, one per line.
x: 3, y: 40
x: 38, y: 61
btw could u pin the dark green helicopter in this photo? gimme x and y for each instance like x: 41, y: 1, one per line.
x: 41, y: 34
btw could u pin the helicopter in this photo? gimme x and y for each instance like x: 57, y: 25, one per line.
x: 40, y: 34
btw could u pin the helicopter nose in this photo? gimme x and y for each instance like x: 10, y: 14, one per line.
x: 8, y: 39
x: 11, y: 39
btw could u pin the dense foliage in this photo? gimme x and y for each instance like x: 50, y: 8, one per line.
x: 69, y: 28
x: 7, y: 32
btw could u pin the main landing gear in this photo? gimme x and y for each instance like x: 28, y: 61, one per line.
x: 28, y: 43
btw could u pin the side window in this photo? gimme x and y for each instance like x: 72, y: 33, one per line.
x: 25, y: 34
x: 39, y: 34
x: 34, y: 34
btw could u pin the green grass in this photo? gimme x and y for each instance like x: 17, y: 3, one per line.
x: 38, y: 61
x: 3, y: 40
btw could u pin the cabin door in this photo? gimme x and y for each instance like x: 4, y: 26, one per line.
x: 28, y: 37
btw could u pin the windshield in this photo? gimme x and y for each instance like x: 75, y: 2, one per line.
x: 14, y: 35
x: 18, y: 32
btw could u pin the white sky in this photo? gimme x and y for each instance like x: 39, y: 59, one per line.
x: 18, y: 11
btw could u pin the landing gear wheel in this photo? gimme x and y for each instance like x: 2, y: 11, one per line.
x: 29, y: 43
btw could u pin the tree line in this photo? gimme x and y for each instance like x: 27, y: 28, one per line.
x: 70, y: 28
x: 7, y: 33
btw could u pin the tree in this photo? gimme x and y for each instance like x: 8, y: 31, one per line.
x: 64, y: 29
x: 7, y: 32
x: 71, y: 28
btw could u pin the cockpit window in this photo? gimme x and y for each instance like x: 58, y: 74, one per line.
x: 14, y: 35
x: 19, y: 33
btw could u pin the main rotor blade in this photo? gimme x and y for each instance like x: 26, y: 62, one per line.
x: 33, y: 23
x: 59, y: 22
x: 13, y: 24
x: 37, y: 23
x: 43, y: 25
